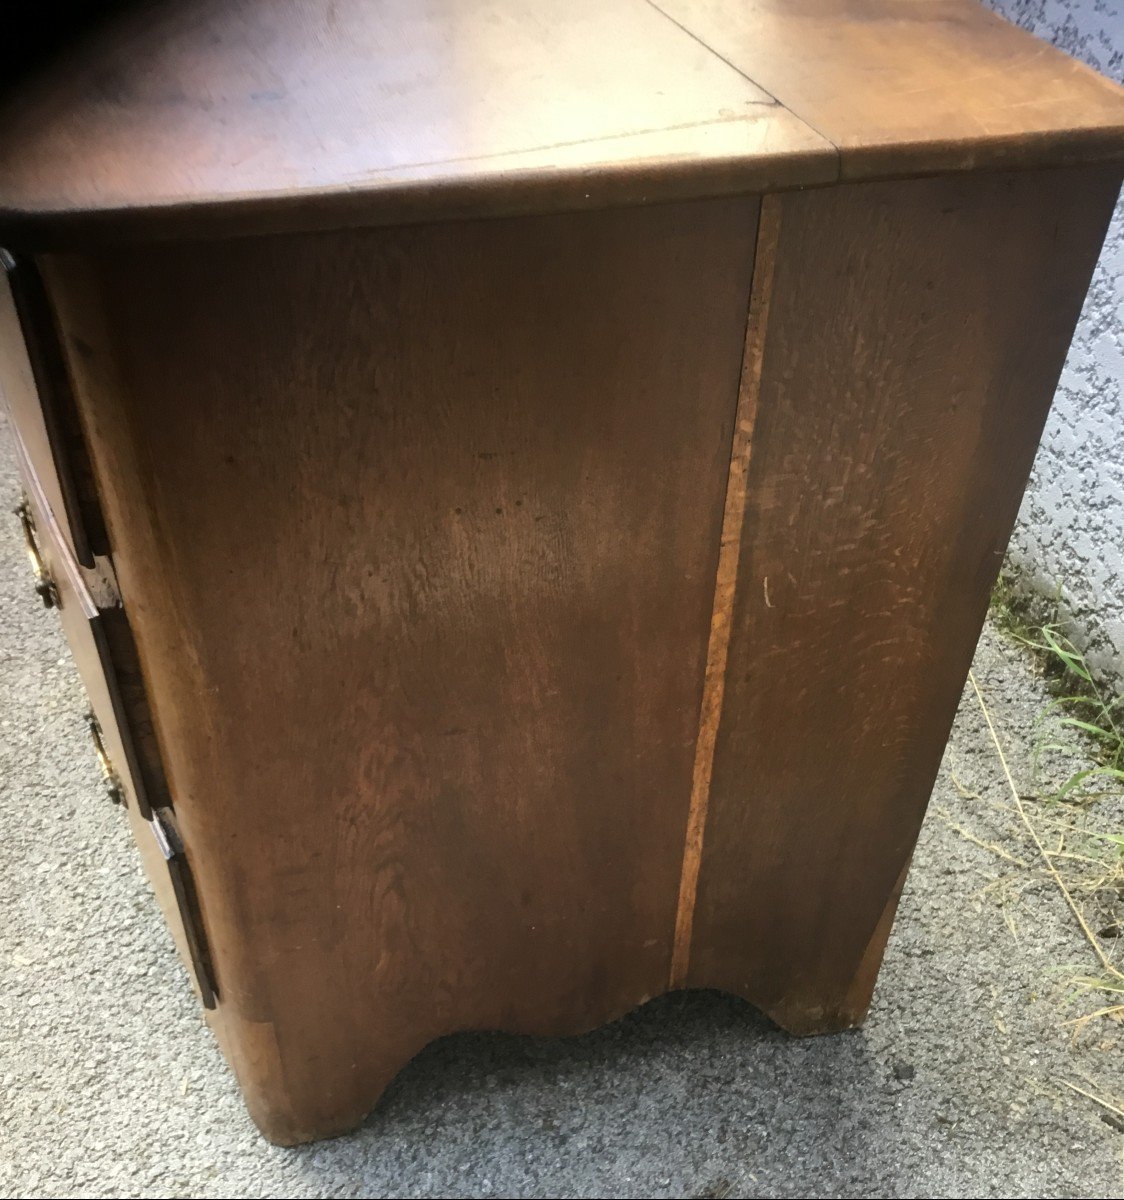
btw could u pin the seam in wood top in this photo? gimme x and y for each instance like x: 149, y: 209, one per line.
x: 904, y: 88
x: 228, y: 117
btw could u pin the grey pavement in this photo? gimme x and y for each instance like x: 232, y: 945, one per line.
x: 111, y: 1084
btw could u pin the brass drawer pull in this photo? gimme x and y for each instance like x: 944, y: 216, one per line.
x: 44, y: 585
x: 109, y: 775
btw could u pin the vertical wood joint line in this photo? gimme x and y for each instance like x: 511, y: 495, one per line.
x: 714, y: 682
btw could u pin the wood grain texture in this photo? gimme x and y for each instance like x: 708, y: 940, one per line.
x: 908, y: 87
x: 710, y: 713
x: 916, y: 333
x: 522, y: 634
x: 228, y: 115
x: 219, y: 117
x: 418, y: 531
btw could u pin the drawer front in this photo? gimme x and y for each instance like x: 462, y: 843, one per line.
x: 60, y: 584
x: 17, y: 383
x: 32, y: 382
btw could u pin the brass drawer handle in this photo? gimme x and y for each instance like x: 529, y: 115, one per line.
x: 44, y: 585
x: 109, y: 775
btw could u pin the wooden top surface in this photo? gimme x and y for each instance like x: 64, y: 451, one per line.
x: 223, y: 116
x: 905, y: 87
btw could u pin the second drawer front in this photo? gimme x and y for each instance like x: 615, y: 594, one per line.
x: 61, y: 585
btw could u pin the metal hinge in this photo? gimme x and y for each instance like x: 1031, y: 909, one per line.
x: 101, y: 581
x: 165, y: 830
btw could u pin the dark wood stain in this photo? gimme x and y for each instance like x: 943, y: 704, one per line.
x: 315, y: 510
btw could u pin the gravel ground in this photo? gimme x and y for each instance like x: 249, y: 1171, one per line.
x: 111, y: 1085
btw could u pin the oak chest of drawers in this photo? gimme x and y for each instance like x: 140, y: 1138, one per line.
x: 522, y: 483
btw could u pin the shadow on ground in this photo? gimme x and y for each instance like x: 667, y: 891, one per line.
x: 677, y: 1098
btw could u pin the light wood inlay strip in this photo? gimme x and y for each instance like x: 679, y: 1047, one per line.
x: 714, y: 684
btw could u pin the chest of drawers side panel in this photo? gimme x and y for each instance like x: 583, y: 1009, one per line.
x: 417, y: 530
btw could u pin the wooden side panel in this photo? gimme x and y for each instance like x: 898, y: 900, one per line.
x: 418, y: 532
x: 915, y: 337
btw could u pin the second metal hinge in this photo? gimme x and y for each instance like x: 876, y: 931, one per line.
x: 165, y: 829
